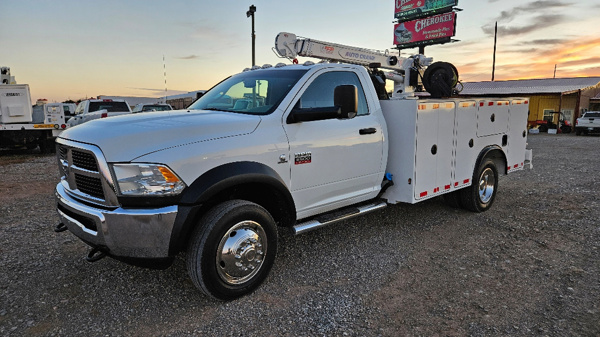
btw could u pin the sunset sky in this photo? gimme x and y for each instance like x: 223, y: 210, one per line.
x: 72, y: 49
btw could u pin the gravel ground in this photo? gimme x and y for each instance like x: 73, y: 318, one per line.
x: 528, y: 267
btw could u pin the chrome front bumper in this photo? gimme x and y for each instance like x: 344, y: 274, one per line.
x: 132, y: 233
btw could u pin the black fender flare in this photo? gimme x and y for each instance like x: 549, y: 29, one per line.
x: 228, y: 175
x: 219, y: 179
x: 485, y: 153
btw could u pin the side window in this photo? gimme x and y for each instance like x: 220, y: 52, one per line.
x: 548, y: 115
x: 320, y: 92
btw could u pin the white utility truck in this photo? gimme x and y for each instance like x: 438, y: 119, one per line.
x: 298, y: 146
x: 20, y: 124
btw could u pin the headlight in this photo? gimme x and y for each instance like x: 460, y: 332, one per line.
x: 146, y: 180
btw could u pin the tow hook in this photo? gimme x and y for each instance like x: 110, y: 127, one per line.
x: 61, y: 227
x: 95, y: 255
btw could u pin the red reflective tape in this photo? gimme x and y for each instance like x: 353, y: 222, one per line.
x: 480, y: 103
x: 490, y: 103
x: 435, y: 190
x: 466, y: 181
x: 522, y: 164
x: 508, y: 168
x: 423, y: 194
x: 447, y: 187
x: 516, y: 165
x: 456, y: 184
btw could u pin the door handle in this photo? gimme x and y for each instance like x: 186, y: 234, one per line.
x: 367, y: 131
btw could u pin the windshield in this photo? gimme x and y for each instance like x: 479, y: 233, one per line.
x: 109, y: 106
x: 153, y: 107
x: 257, y: 92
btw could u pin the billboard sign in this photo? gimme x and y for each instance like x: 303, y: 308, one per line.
x: 425, y: 31
x: 412, y: 9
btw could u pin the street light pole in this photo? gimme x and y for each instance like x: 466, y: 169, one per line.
x: 250, y: 13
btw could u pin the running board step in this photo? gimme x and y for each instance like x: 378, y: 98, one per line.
x: 338, y: 215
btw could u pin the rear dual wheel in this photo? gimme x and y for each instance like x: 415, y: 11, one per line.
x: 232, y: 250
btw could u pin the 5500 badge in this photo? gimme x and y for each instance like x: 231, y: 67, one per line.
x: 302, y: 158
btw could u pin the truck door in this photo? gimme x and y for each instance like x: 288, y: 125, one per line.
x: 334, y: 162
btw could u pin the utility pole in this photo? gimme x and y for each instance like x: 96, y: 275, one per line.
x: 495, y: 41
x: 250, y: 13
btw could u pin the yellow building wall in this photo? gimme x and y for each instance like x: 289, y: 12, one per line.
x: 539, y: 103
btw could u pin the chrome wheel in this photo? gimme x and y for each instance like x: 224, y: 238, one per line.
x: 487, y: 183
x: 241, y: 252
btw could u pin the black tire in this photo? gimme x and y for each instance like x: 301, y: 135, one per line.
x: 232, y: 249
x: 453, y: 199
x: 480, y: 196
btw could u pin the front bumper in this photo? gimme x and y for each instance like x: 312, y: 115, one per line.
x: 589, y: 129
x: 125, y: 233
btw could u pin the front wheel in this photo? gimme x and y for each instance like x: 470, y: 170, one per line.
x: 232, y: 250
x: 481, y: 194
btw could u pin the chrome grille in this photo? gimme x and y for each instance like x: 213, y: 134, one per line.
x: 89, y: 185
x: 84, y: 160
x: 85, y: 173
x: 62, y: 152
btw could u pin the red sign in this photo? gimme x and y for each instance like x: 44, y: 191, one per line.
x: 425, y: 31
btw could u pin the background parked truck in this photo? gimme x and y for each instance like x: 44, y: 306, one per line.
x: 91, y: 109
x: 588, y: 123
x: 23, y: 126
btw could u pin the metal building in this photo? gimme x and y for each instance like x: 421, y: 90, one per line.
x: 571, y: 96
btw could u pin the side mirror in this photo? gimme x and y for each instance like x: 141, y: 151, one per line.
x: 345, y: 100
x: 346, y: 97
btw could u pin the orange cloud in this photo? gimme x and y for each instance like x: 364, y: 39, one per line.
x: 573, y: 58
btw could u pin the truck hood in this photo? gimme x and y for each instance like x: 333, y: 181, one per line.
x: 124, y: 138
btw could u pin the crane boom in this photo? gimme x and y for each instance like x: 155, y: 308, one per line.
x: 439, y: 79
x: 290, y: 46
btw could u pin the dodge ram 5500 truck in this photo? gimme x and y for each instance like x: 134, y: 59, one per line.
x: 298, y: 146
